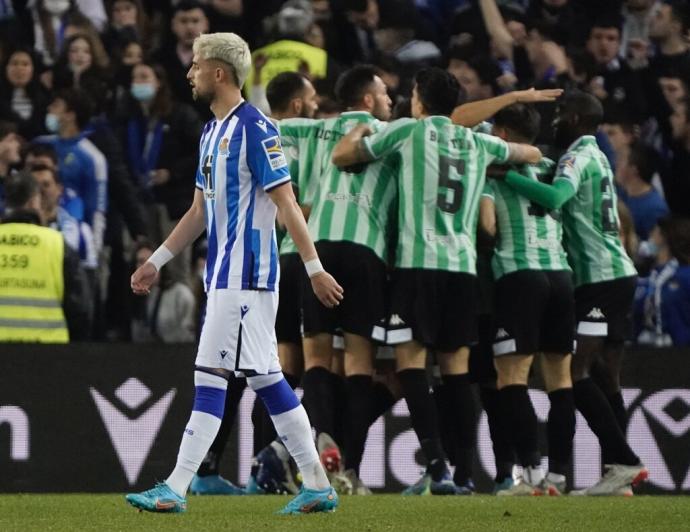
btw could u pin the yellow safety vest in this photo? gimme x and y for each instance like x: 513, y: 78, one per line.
x: 286, y: 56
x: 31, y: 284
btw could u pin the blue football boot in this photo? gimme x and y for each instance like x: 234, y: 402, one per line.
x: 158, y: 499
x: 312, y: 501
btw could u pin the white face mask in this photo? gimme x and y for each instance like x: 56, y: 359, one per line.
x: 56, y: 7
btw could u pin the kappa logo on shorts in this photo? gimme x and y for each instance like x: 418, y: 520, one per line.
x: 501, y: 333
x: 396, y: 321
x: 596, y: 314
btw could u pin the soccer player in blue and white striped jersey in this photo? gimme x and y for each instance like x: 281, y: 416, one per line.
x: 242, y: 181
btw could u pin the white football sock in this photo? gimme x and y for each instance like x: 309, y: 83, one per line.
x: 292, y: 426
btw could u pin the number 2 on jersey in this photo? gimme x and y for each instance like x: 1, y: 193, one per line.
x: 445, y: 182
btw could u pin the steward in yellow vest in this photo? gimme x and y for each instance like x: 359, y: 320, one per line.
x: 41, y: 282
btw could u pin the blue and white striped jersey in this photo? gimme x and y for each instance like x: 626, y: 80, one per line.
x: 241, y: 159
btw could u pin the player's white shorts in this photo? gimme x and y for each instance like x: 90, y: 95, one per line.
x: 239, y: 332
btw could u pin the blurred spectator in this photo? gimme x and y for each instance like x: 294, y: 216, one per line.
x: 667, y: 32
x: 188, y: 22
x: 60, y: 210
x: 646, y: 205
x: 50, y: 19
x: 627, y: 230
x: 227, y: 16
x: 160, y: 138
x: 289, y: 52
x: 82, y: 166
x: 619, y: 87
x: 38, y: 154
x: 23, y: 99
x: 478, y: 76
x: 637, y: 18
x: 675, y: 176
x: 356, y: 21
x: 568, y: 19
x: 662, y: 300
x: 9, y: 155
x: 128, y: 22
x: 45, y: 293
x: 80, y: 65
x: 621, y: 135
x: 167, y: 313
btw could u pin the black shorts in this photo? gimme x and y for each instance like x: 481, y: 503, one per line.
x: 289, y: 316
x: 605, y: 309
x: 364, y: 280
x: 535, y: 312
x: 436, y: 308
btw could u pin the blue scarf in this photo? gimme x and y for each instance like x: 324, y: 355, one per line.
x: 143, y: 147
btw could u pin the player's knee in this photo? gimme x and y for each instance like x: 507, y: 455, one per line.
x: 512, y: 370
x: 556, y: 372
x: 275, y: 392
x: 209, y: 394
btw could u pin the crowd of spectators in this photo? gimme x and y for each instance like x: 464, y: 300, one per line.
x: 94, y: 101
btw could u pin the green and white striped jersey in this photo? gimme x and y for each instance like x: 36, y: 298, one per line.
x: 590, y: 218
x: 440, y: 182
x: 528, y: 236
x: 303, y: 150
x: 352, y: 206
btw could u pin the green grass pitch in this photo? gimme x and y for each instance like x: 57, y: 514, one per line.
x: 80, y: 512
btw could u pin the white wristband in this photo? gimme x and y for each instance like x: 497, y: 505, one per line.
x: 160, y: 257
x: 313, y: 267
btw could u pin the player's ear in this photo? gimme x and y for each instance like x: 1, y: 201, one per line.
x: 368, y: 100
x: 297, y: 105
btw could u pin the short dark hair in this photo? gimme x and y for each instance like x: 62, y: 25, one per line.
x: 487, y: 70
x: 585, y: 106
x: 438, y: 91
x: 7, y: 128
x: 20, y: 187
x: 521, y: 119
x: 607, y: 20
x: 645, y: 160
x: 352, y: 84
x: 187, y: 5
x: 79, y: 102
x: 39, y: 149
x: 680, y: 12
x: 676, y: 231
x: 45, y: 168
x: 283, y: 88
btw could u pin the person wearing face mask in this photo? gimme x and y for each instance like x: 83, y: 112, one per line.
x: 159, y: 137
x: 662, y: 300
x: 50, y: 19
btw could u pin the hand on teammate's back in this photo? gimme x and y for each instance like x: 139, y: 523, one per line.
x: 327, y: 289
x: 143, y: 278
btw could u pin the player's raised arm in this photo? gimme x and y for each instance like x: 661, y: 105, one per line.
x: 187, y: 230
x: 329, y: 292
x: 523, y: 153
x: 473, y: 113
x: 351, y: 149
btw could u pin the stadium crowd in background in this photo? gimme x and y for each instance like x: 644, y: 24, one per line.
x: 95, y: 104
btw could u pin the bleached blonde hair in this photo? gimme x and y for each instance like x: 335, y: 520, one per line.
x: 228, y: 48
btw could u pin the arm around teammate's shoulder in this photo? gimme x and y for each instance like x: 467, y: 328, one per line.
x: 551, y: 196
x: 324, y: 285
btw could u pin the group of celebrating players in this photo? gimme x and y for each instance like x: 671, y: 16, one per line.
x: 394, y: 209
x: 385, y: 222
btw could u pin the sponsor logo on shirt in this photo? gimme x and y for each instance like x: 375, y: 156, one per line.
x: 359, y: 199
x: 262, y: 125
x: 274, y: 152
